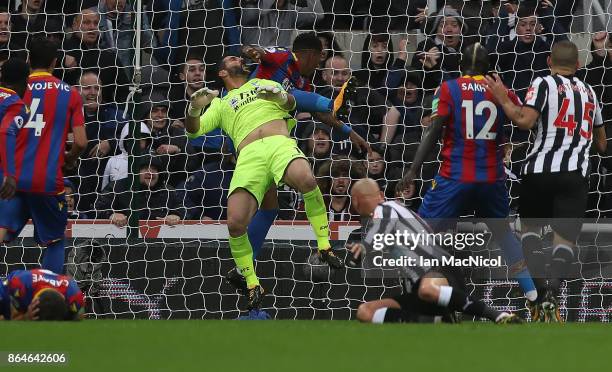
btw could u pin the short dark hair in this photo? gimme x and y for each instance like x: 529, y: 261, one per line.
x: 42, y: 52
x: 307, y: 41
x: 52, y: 306
x: 14, y: 71
x: 475, y: 59
x: 525, y: 11
x: 191, y: 56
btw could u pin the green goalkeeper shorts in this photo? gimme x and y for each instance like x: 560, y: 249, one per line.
x: 263, y: 162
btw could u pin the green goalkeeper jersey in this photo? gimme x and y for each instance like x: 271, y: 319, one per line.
x: 240, y: 112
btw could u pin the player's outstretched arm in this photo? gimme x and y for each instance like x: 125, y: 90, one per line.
x: 522, y: 116
x: 277, y: 95
x: 432, y: 134
x: 330, y: 119
x: 197, y: 102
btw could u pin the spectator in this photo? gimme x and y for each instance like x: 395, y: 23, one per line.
x: 117, y: 30
x: 71, y: 202
x: 523, y: 59
x: 83, y: 52
x: 497, y: 28
x: 271, y: 22
x: 33, y: 20
x: 8, y: 47
x: 409, y: 101
x: 439, y: 55
x: 334, y: 178
x: 169, y: 142
x: 205, y: 191
x: 103, y: 125
x: 192, y: 75
x: 316, y: 143
x: 370, y: 116
x: 381, y: 169
x: 159, y: 202
x: 376, y: 61
x: 330, y: 47
x: 117, y: 166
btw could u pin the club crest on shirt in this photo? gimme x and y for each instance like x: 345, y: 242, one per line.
x: 530, y: 93
x: 234, y: 103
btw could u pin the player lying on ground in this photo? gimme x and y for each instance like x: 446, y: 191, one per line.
x: 293, y: 69
x: 40, y: 295
x: 434, y: 293
x: 472, y: 176
x: 554, y: 183
x: 33, y: 153
x: 255, y: 115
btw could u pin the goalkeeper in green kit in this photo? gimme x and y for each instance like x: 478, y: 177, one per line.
x: 255, y: 115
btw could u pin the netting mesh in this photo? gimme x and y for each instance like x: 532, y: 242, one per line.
x: 400, y: 52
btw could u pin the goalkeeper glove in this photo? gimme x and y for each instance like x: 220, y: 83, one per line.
x: 199, y: 100
x: 273, y: 94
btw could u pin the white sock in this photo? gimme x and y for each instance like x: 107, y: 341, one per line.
x: 379, y: 315
x: 445, y: 295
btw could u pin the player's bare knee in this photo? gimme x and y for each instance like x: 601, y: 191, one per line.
x: 236, y: 224
x: 365, y: 313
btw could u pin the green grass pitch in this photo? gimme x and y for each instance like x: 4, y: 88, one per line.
x: 245, y: 346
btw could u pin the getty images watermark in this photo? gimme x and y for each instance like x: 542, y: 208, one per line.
x: 403, y: 249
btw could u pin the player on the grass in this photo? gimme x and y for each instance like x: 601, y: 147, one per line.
x: 554, y: 183
x: 40, y: 295
x: 35, y: 153
x: 472, y: 176
x: 293, y: 69
x: 255, y: 115
x: 434, y: 292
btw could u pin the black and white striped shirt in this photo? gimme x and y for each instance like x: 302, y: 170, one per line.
x: 389, y: 217
x: 569, y: 111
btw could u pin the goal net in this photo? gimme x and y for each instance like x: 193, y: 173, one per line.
x: 140, y: 170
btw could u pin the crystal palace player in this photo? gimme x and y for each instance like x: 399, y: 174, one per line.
x: 554, y: 182
x: 433, y: 292
x: 35, y: 150
x: 13, y: 113
x: 472, y: 176
x: 40, y: 295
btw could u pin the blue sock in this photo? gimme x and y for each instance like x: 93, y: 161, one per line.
x: 513, y: 253
x: 259, y: 227
x: 53, y: 257
x: 311, y: 102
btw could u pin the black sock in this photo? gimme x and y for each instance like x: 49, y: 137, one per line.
x: 560, y: 266
x: 536, y: 261
x: 460, y: 301
x: 393, y: 315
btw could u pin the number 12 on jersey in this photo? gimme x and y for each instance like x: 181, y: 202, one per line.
x: 485, y: 132
x: 36, y: 120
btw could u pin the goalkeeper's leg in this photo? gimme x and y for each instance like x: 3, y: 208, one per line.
x: 298, y: 175
x: 241, y: 206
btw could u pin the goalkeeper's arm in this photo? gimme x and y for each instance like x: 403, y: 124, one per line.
x: 197, y: 103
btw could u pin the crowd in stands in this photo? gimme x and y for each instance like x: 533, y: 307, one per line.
x: 181, y: 40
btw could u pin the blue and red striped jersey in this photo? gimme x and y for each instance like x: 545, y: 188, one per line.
x: 55, y: 109
x: 472, y: 147
x: 22, y: 286
x: 281, y: 65
x: 13, y: 114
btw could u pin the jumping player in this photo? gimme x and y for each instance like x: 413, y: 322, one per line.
x: 38, y: 146
x: 255, y: 115
x: 472, y: 176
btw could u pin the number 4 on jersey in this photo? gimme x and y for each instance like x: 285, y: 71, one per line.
x: 36, y: 120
